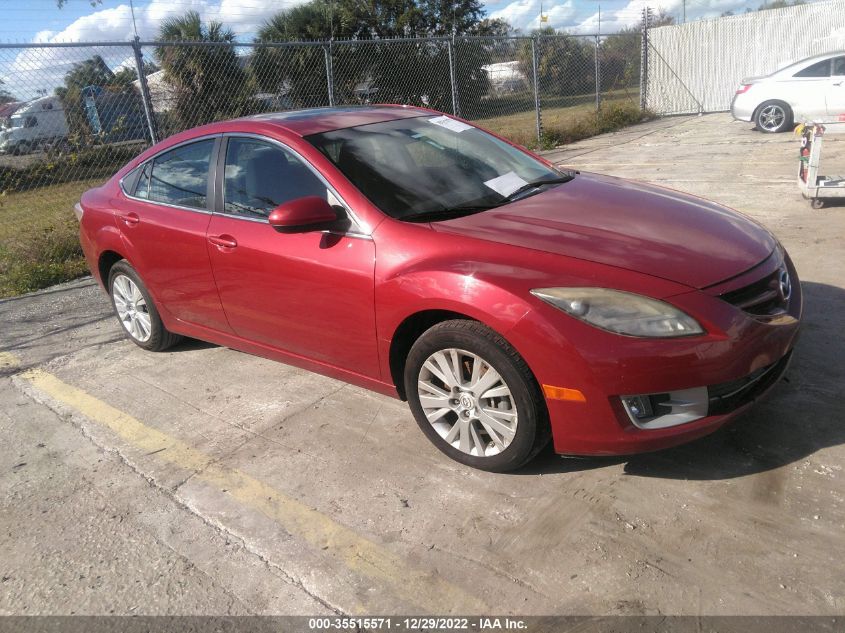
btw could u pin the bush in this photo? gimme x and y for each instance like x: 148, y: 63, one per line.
x: 611, y: 117
x: 82, y: 164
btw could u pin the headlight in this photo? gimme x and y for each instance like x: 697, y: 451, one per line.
x: 621, y: 312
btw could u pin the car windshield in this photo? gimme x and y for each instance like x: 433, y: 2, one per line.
x: 433, y: 167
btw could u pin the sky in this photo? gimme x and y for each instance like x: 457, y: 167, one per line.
x: 78, y: 20
x: 26, y: 72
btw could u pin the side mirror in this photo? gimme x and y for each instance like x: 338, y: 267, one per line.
x: 311, y: 213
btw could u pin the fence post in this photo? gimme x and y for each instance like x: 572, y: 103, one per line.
x: 145, y: 90
x: 327, y: 51
x: 644, y: 60
x: 451, y: 49
x: 534, y: 64
x: 598, y: 75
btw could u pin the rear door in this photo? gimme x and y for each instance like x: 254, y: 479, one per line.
x: 163, y: 223
x: 308, y: 293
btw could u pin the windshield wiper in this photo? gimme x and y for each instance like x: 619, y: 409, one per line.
x: 468, y: 209
x: 513, y: 195
x: 451, y: 212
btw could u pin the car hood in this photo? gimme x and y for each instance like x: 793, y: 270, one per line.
x: 631, y: 225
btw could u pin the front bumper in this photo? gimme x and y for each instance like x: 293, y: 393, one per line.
x: 739, y: 360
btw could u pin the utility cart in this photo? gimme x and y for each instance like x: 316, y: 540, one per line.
x: 818, y: 189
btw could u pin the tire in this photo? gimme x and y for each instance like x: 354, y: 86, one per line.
x: 136, y: 312
x: 773, y: 117
x: 460, y: 424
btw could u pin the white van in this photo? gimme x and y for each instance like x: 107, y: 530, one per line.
x: 34, y: 125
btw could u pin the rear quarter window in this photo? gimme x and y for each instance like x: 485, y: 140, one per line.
x: 819, y: 69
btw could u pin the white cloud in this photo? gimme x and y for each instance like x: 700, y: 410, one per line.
x: 37, y: 69
x: 115, y: 24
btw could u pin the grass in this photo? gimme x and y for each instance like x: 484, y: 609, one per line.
x: 39, y: 237
x: 568, y: 123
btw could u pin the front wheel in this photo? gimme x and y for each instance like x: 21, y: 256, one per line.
x: 773, y: 116
x: 474, y: 396
x: 136, y: 311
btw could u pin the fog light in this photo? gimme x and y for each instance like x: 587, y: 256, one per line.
x: 638, y: 406
x: 662, y: 410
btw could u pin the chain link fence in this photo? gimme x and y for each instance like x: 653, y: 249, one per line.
x: 72, y: 114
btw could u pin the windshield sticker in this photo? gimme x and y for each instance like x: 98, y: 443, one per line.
x: 506, y: 184
x: 450, y: 124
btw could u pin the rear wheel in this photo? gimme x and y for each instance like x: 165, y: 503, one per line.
x: 474, y: 396
x: 773, y: 116
x: 136, y: 311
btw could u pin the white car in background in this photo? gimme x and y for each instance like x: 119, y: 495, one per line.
x: 809, y: 90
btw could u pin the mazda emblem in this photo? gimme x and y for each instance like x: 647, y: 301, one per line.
x: 784, y: 285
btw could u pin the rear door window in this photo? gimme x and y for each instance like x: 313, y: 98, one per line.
x: 180, y: 176
x: 839, y: 66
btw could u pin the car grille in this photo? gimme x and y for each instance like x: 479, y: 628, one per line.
x: 728, y: 396
x: 761, y: 298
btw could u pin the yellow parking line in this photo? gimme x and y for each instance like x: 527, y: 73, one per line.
x: 362, y: 556
x: 7, y: 359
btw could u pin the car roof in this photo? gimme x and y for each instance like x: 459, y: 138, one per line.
x: 318, y: 120
x: 809, y: 61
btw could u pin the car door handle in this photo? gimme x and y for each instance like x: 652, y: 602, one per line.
x: 130, y: 218
x: 223, y: 241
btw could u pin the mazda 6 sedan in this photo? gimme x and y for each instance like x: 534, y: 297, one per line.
x: 412, y: 253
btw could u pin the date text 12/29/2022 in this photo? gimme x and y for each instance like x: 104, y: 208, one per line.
x: 417, y: 624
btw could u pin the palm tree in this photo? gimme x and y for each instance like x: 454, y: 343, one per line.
x: 208, y: 82
x: 297, y: 73
x: 5, y: 95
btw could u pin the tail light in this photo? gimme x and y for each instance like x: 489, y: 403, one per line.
x: 78, y: 211
x: 743, y: 88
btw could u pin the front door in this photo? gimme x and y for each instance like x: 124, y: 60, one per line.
x: 836, y: 91
x: 307, y: 293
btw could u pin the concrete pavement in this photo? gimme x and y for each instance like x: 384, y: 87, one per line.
x: 204, y: 480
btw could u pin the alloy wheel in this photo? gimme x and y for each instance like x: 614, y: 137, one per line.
x: 131, y: 308
x: 772, y: 117
x: 467, y: 402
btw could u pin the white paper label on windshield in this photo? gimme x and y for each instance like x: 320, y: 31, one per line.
x: 450, y: 124
x: 506, y: 184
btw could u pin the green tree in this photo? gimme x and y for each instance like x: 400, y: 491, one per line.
x: 207, y: 82
x: 365, y: 67
x: 620, y: 59
x: 95, y: 75
x: 448, y: 17
x: 298, y: 73
x: 5, y: 95
x: 565, y: 64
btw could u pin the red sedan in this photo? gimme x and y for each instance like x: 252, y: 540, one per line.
x: 417, y: 255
